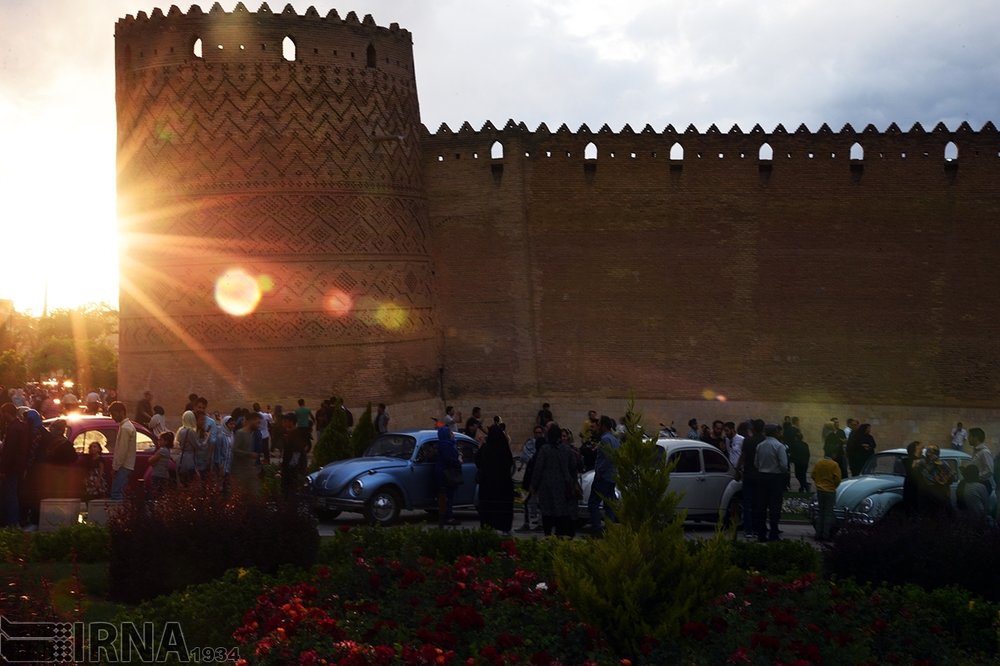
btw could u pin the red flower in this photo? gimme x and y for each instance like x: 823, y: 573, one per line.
x: 695, y: 630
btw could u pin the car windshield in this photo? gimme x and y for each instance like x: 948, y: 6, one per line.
x: 392, y: 446
x: 885, y: 463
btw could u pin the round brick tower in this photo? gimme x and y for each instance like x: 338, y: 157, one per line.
x: 274, y: 218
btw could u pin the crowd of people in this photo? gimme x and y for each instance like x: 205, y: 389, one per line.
x: 229, y: 450
x: 232, y: 448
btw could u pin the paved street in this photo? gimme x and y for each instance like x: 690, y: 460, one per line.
x: 470, y: 521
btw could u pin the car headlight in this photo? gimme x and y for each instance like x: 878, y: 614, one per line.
x: 357, y: 486
x: 866, y: 505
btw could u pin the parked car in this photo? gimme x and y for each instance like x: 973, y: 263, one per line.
x: 395, y: 473
x: 873, y: 495
x: 703, y: 477
x: 68, y: 480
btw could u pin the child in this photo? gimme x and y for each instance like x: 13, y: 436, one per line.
x: 159, y: 465
x: 96, y: 486
x: 826, y: 475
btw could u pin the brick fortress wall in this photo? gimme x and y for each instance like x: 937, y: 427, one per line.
x: 390, y: 252
x: 808, y: 277
x: 301, y: 169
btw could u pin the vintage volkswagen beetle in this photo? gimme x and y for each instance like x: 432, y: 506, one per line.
x: 703, y: 477
x: 870, y: 497
x: 395, y: 473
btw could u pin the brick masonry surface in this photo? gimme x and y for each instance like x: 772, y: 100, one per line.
x: 810, y: 272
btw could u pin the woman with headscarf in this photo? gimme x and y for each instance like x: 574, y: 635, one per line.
x: 934, y: 478
x: 554, y: 482
x: 860, y: 447
x: 187, y: 443
x: 495, y: 464
x: 447, y: 476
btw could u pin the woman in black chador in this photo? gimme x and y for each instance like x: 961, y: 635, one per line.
x: 496, y: 487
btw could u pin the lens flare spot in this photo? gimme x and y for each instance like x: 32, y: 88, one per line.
x: 708, y: 394
x: 237, y: 292
x: 390, y: 316
x: 265, y: 283
x: 721, y: 398
x: 338, y: 303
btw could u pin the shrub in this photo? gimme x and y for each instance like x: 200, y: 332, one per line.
x: 364, y: 433
x: 926, y: 551
x: 194, y: 535
x: 208, y: 613
x: 334, y: 442
x: 89, y: 543
x: 641, y: 580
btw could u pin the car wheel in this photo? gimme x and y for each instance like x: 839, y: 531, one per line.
x: 383, y: 507
x: 734, y: 513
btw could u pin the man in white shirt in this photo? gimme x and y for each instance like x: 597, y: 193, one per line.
x: 959, y: 436
x: 982, y: 457
x: 123, y: 461
x: 734, y: 441
x: 772, y: 474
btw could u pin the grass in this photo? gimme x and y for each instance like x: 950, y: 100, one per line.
x: 60, y: 584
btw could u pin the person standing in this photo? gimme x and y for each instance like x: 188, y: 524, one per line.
x: 734, y: 441
x: 747, y: 470
x: 544, y: 416
x: 13, y: 463
x: 187, y: 443
x: 554, y: 482
x: 381, y: 419
x: 826, y: 476
x: 772, y: 471
x: 603, y: 487
x: 293, y: 457
x: 959, y: 436
x: 123, y: 460
x: 982, y: 457
x: 304, y: 420
x: 159, y: 466
x: 860, y: 447
x: 934, y: 479
x: 158, y: 422
x: 495, y: 465
x: 264, y: 432
x: 447, y: 476
x: 243, y: 468
x: 143, y: 409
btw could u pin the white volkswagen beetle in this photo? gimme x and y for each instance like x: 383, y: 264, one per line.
x: 703, y: 478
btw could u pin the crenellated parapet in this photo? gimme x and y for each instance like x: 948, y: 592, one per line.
x: 678, y: 145
x: 242, y: 36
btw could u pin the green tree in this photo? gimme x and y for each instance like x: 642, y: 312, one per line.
x: 54, y: 356
x: 334, y: 442
x: 13, y: 371
x: 642, y: 579
x: 364, y: 432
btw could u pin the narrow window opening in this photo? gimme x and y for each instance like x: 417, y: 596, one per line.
x: 221, y: 47
x: 370, y: 55
x: 611, y: 155
x: 632, y: 156
x: 950, y: 152
x: 811, y: 155
x: 458, y: 156
x: 569, y: 154
x: 857, y: 152
x: 833, y: 156
x: 288, y: 49
x: 440, y: 158
x: 721, y: 156
x: 496, y: 150
x: 548, y: 153
x: 196, y: 48
x: 242, y: 47
x: 527, y: 154
x: 765, y: 152
x: 475, y: 156
x: 902, y: 155
x: 590, y: 151
x: 677, y: 152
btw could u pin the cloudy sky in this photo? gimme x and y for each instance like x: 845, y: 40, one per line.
x: 554, y: 61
